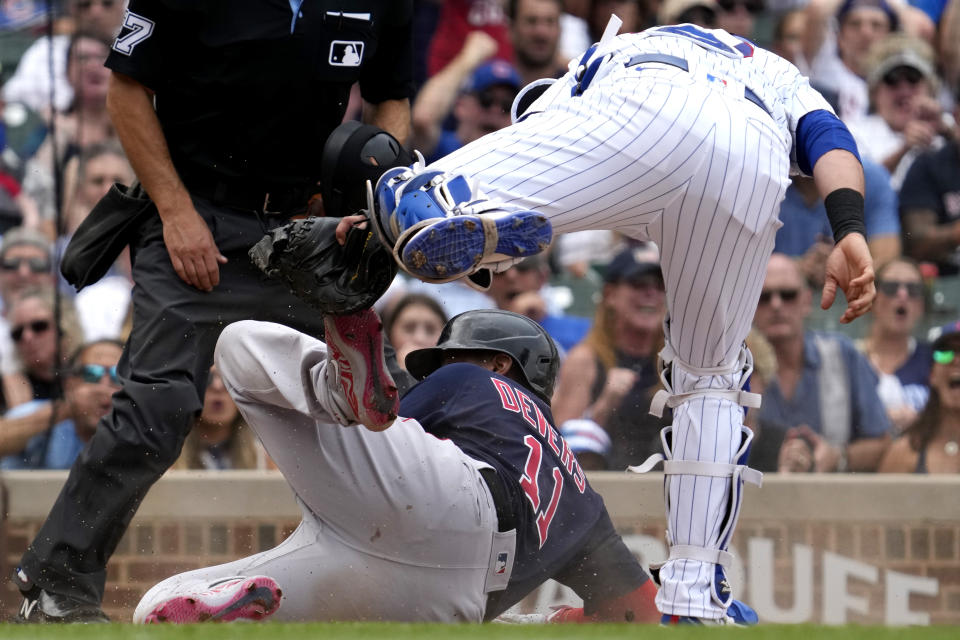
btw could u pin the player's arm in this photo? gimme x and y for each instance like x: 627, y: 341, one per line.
x: 190, y: 244
x: 608, y: 577
x: 826, y: 149
x: 435, y: 99
x: 393, y: 116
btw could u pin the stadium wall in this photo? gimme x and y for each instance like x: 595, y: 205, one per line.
x: 828, y: 548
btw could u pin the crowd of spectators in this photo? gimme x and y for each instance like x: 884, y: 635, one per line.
x: 886, y: 400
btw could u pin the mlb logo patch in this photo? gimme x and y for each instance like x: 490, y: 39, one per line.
x: 346, y: 53
x: 501, y: 565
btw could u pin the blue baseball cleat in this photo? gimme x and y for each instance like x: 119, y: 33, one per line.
x: 442, y: 228
x: 458, y: 245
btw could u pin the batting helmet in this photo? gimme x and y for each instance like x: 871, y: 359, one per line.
x: 353, y: 154
x: 531, y: 348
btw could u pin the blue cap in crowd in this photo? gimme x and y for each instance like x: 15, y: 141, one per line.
x: 495, y: 72
x: 945, y: 335
x: 850, y: 5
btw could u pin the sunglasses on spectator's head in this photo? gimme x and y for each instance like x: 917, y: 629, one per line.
x: 752, y: 6
x: 944, y: 357
x: 36, y: 327
x: 36, y: 265
x: 891, y: 287
x: 786, y: 295
x: 902, y: 74
x: 93, y: 373
x: 488, y: 98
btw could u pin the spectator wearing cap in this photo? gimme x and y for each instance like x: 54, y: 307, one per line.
x: 905, y: 117
x: 824, y: 392
x: 476, y: 91
x: 611, y: 376
x: 89, y: 382
x: 702, y: 13
x: 930, y: 204
x: 838, y: 58
x: 26, y: 261
x: 524, y: 289
x: 535, y: 34
x: 931, y: 444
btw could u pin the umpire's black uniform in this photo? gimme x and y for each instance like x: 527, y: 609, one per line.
x: 246, y: 93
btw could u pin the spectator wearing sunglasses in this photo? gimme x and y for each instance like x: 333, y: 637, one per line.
x: 930, y: 204
x: 476, y: 91
x: 931, y: 444
x: 89, y: 381
x: 901, y: 362
x: 39, y: 343
x: 824, y: 392
x: 906, y: 118
x: 25, y: 262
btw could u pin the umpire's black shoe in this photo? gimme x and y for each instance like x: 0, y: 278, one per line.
x: 43, y: 607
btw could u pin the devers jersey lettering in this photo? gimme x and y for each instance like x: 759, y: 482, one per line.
x: 554, y: 504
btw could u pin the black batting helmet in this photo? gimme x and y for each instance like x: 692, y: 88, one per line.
x: 532, y: 349
x: 353, y: 154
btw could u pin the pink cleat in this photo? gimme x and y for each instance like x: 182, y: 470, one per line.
x: 225, y: 600
x: 357, y: 374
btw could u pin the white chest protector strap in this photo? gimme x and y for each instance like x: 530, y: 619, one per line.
x: 666, y: 397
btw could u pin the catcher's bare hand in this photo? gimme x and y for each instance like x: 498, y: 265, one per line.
x: 193, y: 253
x: 850, y: 268
x: 346, y: 223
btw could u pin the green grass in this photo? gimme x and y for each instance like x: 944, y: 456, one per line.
x: 350, y: 631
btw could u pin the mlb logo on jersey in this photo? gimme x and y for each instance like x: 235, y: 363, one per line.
x: 346, y: 53
x: 501, y: 566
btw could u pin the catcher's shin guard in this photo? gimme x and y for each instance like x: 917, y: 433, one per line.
x: 441, y: 227
x: 704, y: 458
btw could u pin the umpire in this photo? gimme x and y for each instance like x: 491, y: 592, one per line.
x: 223, y: 108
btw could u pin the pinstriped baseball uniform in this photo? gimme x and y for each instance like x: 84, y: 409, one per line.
x: 690, y: 159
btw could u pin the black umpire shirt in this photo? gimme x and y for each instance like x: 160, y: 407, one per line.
x: 249, y: 90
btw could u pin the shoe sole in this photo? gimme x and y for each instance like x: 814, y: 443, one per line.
x: 454, y: 246
x: 362, y: 334
x: 255, y: 599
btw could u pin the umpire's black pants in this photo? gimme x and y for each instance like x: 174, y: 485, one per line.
x: 163, y: 372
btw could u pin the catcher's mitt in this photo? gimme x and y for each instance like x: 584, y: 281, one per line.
x: 333, y: 279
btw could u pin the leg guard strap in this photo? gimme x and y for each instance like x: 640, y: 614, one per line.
x: 715, y: 552
x: 667, y: 397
